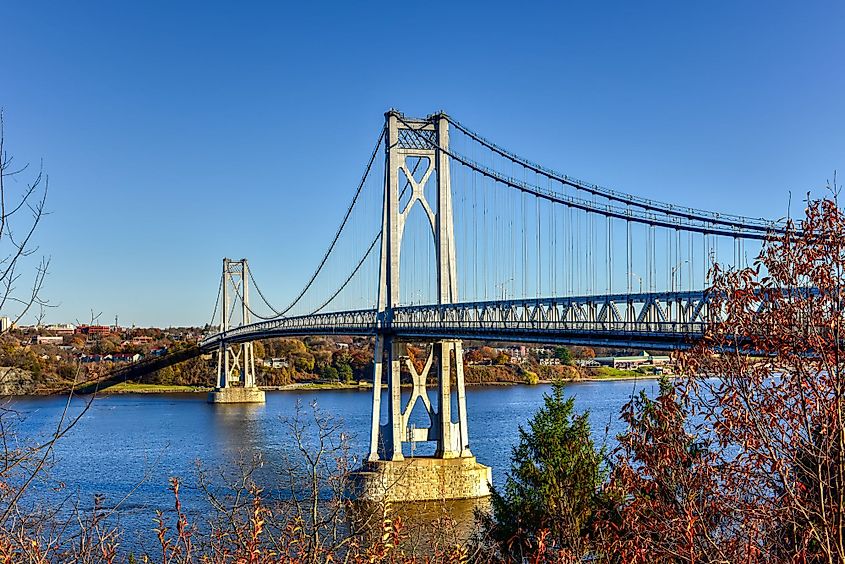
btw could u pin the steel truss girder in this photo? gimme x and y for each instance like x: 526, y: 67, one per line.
x: 660, y: 320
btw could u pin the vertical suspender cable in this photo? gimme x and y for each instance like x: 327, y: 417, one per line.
x: 679, y: 254
x: 609, y: 254
x: 578, y: 253
x: 524, y: 239
x: 552, y: 231
x: 539, y: 287
x: 475, y: 239
x: 628, y: 249
x: 690, y: 262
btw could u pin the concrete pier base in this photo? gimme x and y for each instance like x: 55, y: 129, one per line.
x: 236, y: 395
x: 422, y: 479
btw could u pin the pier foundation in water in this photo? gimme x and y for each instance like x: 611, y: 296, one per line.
x: 236, y: 395
x: 422, y: 479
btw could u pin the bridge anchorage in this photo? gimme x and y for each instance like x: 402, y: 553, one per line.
x: 452, y: 472
x: 235, y: 361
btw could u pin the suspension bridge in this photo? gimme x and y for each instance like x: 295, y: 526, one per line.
x: 450, y: 237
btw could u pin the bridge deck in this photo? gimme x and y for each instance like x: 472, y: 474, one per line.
x: 659, y: 321
x: 663, y: 321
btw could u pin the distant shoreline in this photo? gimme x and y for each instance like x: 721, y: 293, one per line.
x: 131, y: 388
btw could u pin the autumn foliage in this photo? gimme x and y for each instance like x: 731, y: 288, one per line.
x: 744, y: 461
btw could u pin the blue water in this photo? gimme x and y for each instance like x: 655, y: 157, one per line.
x: 130, y: 445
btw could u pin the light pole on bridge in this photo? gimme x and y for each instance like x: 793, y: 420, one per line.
x: 504, y: 286
x: 640, y: 278
x: 675, y: 269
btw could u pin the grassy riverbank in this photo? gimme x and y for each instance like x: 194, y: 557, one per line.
x: 608, y: 373
x: 134, y: 388
x: 595, y: 375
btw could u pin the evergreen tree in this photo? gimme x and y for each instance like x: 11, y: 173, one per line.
x: 330, y: 373
x: 552, y: 490
x: 344, y: 372
x: 563, y: 355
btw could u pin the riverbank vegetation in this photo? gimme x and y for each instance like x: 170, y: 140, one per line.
x: 133, y: 388
x: 46, y: 368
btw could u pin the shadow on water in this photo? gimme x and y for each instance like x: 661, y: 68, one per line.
x: 235, y: 424
x: 459, y: 514
x: 245, y: 437
x: 427, y: 524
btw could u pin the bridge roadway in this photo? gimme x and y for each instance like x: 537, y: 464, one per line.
x: 658, y: 321
x: 663, y: 321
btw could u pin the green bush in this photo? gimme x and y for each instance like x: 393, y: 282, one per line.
x: 344, y: 372
x: 330, y: 373
x: 563, y: 355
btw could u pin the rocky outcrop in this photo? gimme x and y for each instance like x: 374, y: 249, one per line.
x: 16, y: 382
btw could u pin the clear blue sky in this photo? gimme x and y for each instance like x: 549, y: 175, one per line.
x: 157, y: 119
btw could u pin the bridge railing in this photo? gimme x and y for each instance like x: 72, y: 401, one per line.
x: 489, y: 321
x: 667, y: 314
x: 357, y: 322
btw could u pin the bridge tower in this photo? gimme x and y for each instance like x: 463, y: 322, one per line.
x: 453, y: 471
x: 235, y: 361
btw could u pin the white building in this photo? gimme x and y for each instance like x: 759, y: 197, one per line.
x: 632, y: 362
x: 45, y: 340
x: 61, y: 328
x: 275, y: 363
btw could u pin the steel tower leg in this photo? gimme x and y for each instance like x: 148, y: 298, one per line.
x: 378, y: 360
x: 395, y: 427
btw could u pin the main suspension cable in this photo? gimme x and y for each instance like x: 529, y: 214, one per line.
x: 352, y: 275
x: 368, y: 251
x: 646, y: 217
x: 741, y: 222
x: 339, y: 230
x: 216, y: 302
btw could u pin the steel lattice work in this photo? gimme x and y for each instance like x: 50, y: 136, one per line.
x: 659, y: 321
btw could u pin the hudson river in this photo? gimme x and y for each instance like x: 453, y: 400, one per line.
x: 130, y: 445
